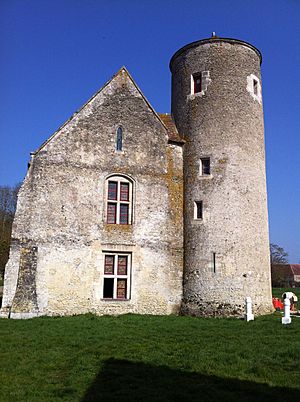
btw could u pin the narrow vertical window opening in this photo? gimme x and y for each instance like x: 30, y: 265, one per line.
x: 255, y: 87
x: 198, y: 214
x: 214, y: 263
x: 119, y: 144
x: 205, y: 166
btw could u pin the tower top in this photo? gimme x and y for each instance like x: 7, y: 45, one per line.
x: 214, y: 39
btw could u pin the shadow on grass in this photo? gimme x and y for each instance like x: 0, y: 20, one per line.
x: 122, y: 380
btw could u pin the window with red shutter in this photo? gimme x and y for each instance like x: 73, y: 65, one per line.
x: 119, y: 201
x: 111, y: 213
x: 109, y: 265
x: 124, y: 191
x: 112, y: 190
x: 122, y: 265
x: 124, y: 208
x: 116, y: 280
x: 121, y: 288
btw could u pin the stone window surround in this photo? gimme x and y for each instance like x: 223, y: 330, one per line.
x: 201, y: 174
x: 119, y: 139
x: 206, y: 81
x: 115, y: 275
x: 254, y: 87
x: 119, y: 178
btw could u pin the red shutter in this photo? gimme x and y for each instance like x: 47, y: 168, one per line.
x: 112, y: 190
x: 124, y: 209
x: 121, y: 289
x: 124, y: 192
x: 111, y: 213
x: 109, y: 265
x: 122, y: 265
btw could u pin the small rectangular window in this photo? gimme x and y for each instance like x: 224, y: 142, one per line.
x: 112, y: 190
x: 111, y: 212
x: 205, y: 166
x: 197, y: 78
x: 198, y: 213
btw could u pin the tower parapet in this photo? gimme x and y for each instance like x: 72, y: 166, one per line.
x: 217, y: 105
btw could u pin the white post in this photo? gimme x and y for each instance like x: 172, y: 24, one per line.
x: 286, y: 319
x: 248, y: 305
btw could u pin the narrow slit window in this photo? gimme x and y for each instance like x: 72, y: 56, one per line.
x: 255, y: 87
x: 119, y: 144
x: 198, y: 212
x: 214, y: 262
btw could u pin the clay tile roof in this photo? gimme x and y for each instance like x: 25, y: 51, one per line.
x: 173, y: 134
x: 295, y: 269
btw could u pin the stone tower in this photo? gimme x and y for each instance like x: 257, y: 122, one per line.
x: 217, y: 105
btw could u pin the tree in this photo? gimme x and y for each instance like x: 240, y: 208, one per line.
x: 8, y: 203
x: 278, y: 254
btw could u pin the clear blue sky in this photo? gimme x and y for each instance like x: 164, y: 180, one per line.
x: 56, y: 53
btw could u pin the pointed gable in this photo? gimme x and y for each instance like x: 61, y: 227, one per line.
x: 118, y: 82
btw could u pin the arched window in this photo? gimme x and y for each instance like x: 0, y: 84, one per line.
x: 119, y: 139
x: 119, y: 200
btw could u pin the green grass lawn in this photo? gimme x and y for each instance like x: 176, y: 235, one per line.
x: 149, y: 358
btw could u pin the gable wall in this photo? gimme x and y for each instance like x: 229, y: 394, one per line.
x: 61, y: 210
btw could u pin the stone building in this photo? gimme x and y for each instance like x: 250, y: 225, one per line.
x: 124, y: 210
x: 285, y: 275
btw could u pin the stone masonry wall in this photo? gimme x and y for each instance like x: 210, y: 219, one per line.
x: 62, y: 210
x: 223, y: 123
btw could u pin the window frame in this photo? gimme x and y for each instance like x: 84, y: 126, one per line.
x: 201, y: 169
x: 194, y: 77
x: 116, y: 276
x: 118, y: 202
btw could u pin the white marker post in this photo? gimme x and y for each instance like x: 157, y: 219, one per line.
x: 286, y: 319
x: 248, y: 306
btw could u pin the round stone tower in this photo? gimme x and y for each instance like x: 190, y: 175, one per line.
x: 217, y: 106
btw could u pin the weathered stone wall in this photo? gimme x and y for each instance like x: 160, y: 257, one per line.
x: 224, y: 123
x: 62, y: 208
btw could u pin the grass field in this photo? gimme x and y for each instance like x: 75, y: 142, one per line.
x: 149, y: 358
